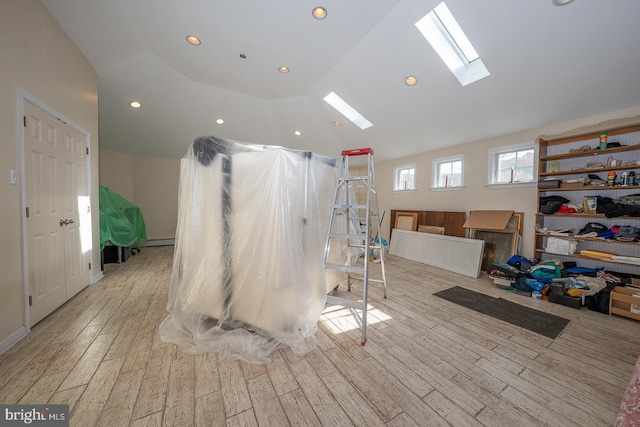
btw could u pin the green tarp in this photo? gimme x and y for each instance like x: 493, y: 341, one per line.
x: 121, y: 222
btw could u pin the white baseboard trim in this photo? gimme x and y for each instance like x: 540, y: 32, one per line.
x: 97, y: 277
x: 160, y: 242
x: 12, y: 339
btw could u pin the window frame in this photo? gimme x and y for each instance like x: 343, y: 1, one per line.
x: 437, y: 163
x: 396, y: 174
x: 493, y: 163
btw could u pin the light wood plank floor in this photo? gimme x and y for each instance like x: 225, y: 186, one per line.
x: 426, y: 362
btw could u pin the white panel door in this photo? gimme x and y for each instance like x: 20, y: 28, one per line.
x: 75, y: 204
x: 57, y: 202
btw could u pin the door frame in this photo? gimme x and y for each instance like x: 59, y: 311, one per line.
x: 24, y: 96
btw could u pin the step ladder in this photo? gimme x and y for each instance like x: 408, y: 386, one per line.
x: 349, y: 236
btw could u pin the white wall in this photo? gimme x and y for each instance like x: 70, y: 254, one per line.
x: 38, y: 57
x: 150, y: 183
x: 476, y: 195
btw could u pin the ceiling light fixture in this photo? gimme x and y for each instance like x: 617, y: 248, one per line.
x: 135, y: 104
x: 283, y: 69
x: 410, y: 81
x: 243, y: 56
x: 220, y: 121
x: 319, y: 12
x: 297, y: 133
x: 561, y: 2
x: 336, y: 123
x: 193, y: 40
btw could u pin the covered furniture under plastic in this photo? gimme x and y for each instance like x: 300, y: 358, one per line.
x: 248, y: 273
x: 121, y: 222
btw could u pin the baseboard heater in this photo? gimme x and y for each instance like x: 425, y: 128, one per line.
x: 160, y: 242
x: 451, y: 253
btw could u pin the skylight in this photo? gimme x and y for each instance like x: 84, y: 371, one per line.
x: 446, y: 37
x: 348, y: 111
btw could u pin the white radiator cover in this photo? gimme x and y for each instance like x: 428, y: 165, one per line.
x: 451, y: 253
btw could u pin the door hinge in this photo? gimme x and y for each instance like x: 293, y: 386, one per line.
x: 89, y: 266
x: 87, y: 151
x: 30, y: 301
x: 24, y: 121
x: 27, y: 211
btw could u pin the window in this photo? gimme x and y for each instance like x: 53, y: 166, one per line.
x: 513, y: 164
x: 348, y: 111
x: 446, y: 37
x: 404, y: 178
x: 448, y: 172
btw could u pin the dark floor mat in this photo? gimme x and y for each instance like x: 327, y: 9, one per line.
x: 533, y: 320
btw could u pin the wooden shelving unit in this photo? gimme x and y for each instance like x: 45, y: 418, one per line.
x: 621, y: 301
x: 567, y: 164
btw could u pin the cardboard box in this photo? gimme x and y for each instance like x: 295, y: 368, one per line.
x: 430, y: 229
x: 488, y: 220
x: 499, y: 281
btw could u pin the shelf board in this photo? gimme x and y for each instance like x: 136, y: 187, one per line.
x: 625, y: 313
x: 583, y: 215
x: 589, y: 153
x: 588, y: 171
x: 589, y: 239
x: 587, y: 188
x: 542, y: 251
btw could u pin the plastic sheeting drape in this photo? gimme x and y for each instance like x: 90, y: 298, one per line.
x: 121, y: 222
x: 248, y: 272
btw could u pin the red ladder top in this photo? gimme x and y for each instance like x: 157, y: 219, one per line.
x: 357, y: 152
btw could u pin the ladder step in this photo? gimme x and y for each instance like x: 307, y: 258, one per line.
x: 353, y: 178
x: 358, y: 305
x: 362, y: 246
x: 345, y: 268
x: 357, y: 152
x: 347, y: 236
x: 350, y: 206
x: 362, y: 218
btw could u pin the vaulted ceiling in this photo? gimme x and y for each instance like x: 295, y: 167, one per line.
x: 548, y: 64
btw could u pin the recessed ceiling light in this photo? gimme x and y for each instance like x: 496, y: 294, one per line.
x: 283, y: 69
x: 193, y: 40
x: 336, y: 123
x: 410, y: 81
x: 319, y: 12
x: 297, y: 133
x: 135, y: 104
x: 220, y: 121
x: 561, y: 2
